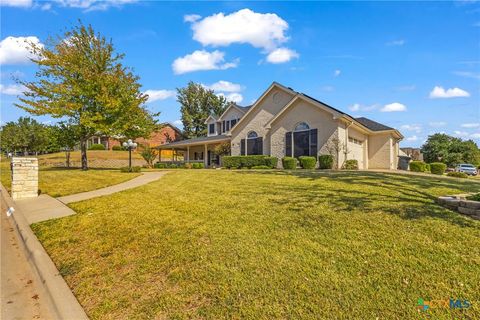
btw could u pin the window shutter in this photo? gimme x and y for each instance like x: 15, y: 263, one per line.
x: 242, y: 147
x: 228, y: 125
x: 288, y: 144
x: 223, y: 127
x: 313, y: 142
x: 259, y: 145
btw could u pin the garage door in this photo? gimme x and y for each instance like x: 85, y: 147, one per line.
x: 355, y: 151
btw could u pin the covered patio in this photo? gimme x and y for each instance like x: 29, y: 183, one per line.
x: 193, y: 150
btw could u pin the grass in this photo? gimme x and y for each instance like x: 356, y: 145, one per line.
x: 207, y: 244
x: 59, y: 182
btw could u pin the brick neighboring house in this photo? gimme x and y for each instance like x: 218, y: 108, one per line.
x: 168, y: 133
x: 414, y: 153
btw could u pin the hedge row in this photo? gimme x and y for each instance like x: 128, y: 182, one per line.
x: 434, y: 167
x: 238, y: 162
x: 188, y: 165
x: 97, y: 146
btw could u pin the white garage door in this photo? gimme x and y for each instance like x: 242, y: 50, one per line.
x: 355, y: 151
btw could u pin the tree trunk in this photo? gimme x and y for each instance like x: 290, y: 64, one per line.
x: 67, y: 158
x: 83, y: 148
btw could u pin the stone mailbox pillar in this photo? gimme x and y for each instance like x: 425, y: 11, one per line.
x: 24, y: 178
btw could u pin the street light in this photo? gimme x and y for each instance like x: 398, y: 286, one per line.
x: 130, y: 145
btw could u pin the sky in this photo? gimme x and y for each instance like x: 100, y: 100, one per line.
x: 414, y: 66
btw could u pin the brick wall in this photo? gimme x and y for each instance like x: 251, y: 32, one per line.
x: 162, y: 136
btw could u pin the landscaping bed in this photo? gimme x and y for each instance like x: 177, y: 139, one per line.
x: 207, y: 244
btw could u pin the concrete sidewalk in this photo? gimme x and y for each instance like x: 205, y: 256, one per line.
x: 145, y: 178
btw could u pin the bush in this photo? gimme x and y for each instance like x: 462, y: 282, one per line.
x: 289, y: 163
x: 97, y: 147
x: 325, y: 161
x: 149, y: 155
x: 473, y: 197
x: 160, y: 165
x: 438, y: 168
x: 197, y: 165
x: 133, y: 169
x: 237, y: 162
x: 188, y: 165
x: 261, y: 167
x: 418, y: 166
x: 271, y: 162
x: 118, y: 148
x: 307, y: 162
x: 351, y: 165
x: 427, y: 167
x: 457, y: 174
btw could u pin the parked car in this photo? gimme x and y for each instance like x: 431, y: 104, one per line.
x: 467, y: 168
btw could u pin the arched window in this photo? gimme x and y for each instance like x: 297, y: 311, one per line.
x: 252, y: 135
x: 302, y: 126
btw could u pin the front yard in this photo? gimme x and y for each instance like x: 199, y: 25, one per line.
x: 266, y: 245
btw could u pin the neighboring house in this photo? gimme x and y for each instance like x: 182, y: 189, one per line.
x: 166, y: 134
x: 414, y: 153
x: 283, y: 122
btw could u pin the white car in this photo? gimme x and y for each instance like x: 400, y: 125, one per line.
x: 467, y: 168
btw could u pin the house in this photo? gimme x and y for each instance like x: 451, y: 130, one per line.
x: 414, y: 153
x: 283, y: 122
x: 166, y: 134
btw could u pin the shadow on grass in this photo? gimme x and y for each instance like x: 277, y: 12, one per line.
x: 404, y: 195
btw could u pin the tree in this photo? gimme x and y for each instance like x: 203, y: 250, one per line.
x: 334, y: 147
x: 149, y: 155
x: 66, y: 136
x: 25, y: 135
x: 81, y: 79
x: 450, y: 150
x: 197, y: 103
x: 222, y: 149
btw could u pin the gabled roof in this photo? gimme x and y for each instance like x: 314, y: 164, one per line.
x: 194, y: 141
x: 173, y: 127
x: 236, y: 106
x: 372, y: 125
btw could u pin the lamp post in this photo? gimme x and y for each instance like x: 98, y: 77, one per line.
x: 130, y: 145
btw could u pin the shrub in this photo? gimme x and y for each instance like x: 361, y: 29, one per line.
x: 230, y: 162
x: 237, y: 162
x: 96, y: 146
x: 261, y: 167
x: 473, y: 197
x: 307, y: 162
x: 133, y: 169
x: 289, y: 163
x: 325, y: 161
x: 118, y: 148
x: 438, y: 168
x: 417, y: 166
x: 457, y: 174
x: 351, y: 165
x: 197, y: 165
x: 188, y: 165
x: 271, y: 162
x: 427, y: 167
x: 149, y: 155
x: 160, y: 165
x: 172, y: 166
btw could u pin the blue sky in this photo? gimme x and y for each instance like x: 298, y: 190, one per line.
x: 413, y: 66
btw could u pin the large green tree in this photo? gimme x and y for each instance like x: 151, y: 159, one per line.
x: 197, y: 103
x: 26, y: 135
x: 450, y: 150
x: 81, y: 79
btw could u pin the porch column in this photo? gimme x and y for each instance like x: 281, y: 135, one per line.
x: 159, y: 155
x: 188, y: 154
x: 173, y: 152
x: 205, y: 157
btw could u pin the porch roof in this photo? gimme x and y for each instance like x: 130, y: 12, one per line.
x: 195, y: 141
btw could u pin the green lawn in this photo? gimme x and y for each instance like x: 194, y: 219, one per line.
x: 209, y: 244
x: 60, y: 182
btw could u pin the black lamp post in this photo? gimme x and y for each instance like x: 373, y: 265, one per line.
x: 130, y: 145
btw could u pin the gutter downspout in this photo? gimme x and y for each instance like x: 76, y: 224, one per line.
x: 346, y: 139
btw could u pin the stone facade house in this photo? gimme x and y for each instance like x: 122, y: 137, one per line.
x: 283, y: 122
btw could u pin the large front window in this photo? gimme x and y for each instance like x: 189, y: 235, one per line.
x: 301, y: 142
x: 252, y: 145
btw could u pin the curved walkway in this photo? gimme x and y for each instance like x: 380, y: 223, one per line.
x: 46, y: 207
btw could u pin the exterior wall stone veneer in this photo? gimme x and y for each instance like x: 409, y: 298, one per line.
x: 461, y: 204
x: 24, y: 178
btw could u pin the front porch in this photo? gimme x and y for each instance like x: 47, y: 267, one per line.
x: 193, y: 150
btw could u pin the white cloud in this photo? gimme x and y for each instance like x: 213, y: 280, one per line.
x: 337, y: 72
x: 265, y: 31
x: 178, y: 123
x: 460, y: 133
x: 412, y: 138
x: 191, y: 17
x: 359, y: 107
x: 202, y: 60
x: 15, y: 50
x: 467, y: 74
x: 470, y: 125
x: 16, y: 3
x: 224, y: 86
x: 393, y: 107
x: 93, y: 5
x: 282, y: 55
x: 475, y: 135
x: 440, y: 92
x: 234, y: 97
x: 155, y: 95
x: 399, y: 42
x: 412, y: 127
x: 12, y: 90
x: 437, y: 124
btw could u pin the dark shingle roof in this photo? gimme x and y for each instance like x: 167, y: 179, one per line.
x: 245, y: 109
x: 372, y: 125
x: 195, y: 140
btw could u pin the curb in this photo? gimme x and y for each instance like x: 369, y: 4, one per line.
x: 60, y: 299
